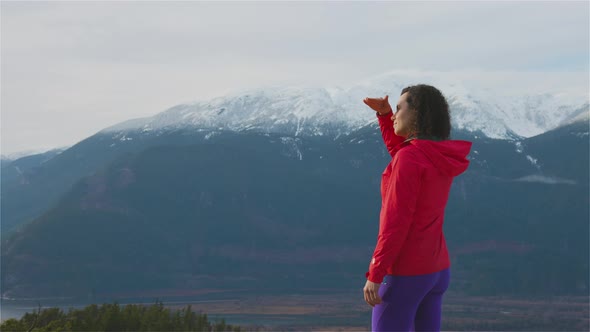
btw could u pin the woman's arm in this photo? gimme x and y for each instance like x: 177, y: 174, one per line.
x: 397, y: 214
x: 384, y: 112
x: 389, y: 137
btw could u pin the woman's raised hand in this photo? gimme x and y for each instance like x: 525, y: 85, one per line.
x: 380, y: 105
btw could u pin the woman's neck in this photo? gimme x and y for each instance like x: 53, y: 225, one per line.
x: 420, y: 136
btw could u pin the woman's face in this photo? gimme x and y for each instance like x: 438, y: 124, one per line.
x: 403, y: 118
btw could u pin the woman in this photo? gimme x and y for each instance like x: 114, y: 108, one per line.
x: 410, y: 268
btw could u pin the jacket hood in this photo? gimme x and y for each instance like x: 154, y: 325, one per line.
x: 449, y: 155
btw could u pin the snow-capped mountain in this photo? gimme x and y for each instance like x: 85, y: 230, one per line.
x: 296, y: 110
x: 24, y: 153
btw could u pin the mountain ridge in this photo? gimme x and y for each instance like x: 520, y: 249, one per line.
x: 317, y: 111
x: 298, y: 212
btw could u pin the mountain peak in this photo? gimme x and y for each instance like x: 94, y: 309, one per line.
x: 304, y: 110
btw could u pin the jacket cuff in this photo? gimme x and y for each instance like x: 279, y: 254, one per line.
x: 384, y: 119
x: 373, y: 278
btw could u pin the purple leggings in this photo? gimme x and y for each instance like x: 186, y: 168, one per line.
x: 411, y: 303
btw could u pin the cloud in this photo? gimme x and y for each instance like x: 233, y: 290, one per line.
x: 82, y: 66
x: 431, y: 35
x: 545, y: 179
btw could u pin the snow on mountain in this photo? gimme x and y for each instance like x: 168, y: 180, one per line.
x: 582, y: 115
x: 296, y: 110
x: 30, y: 152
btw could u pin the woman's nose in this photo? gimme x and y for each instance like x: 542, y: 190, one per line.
x: 392, y: 116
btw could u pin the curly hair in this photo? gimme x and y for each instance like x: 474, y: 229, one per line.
x: 433, y: 120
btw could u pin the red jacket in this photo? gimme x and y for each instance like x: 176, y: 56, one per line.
x: 414, y: 192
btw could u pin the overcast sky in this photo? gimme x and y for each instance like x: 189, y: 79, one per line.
x: 70, y: 69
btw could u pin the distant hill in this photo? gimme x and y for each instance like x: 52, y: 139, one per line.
x: 190, y: 209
